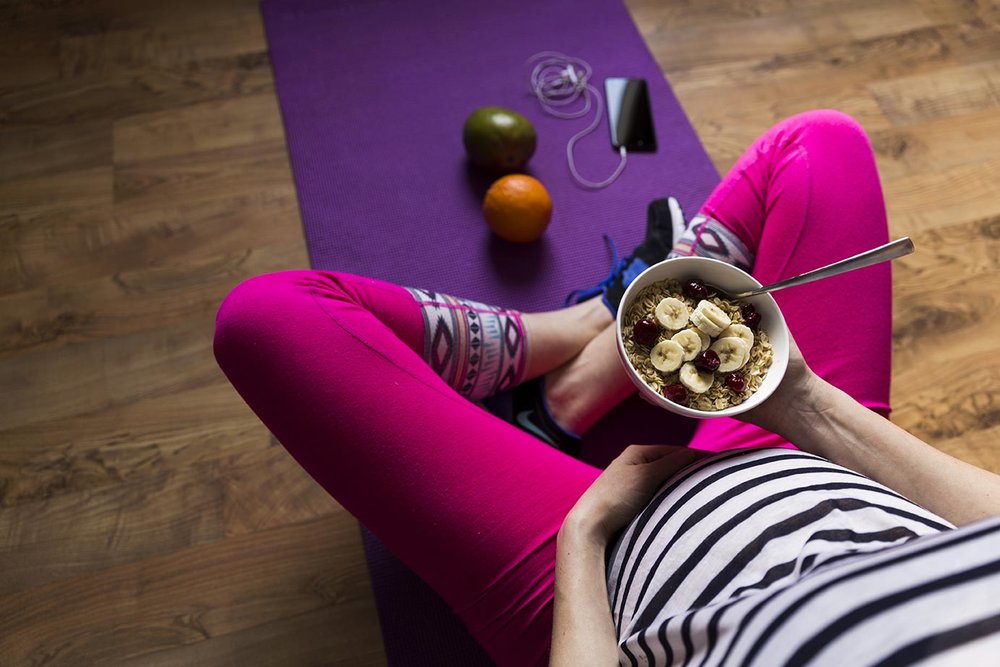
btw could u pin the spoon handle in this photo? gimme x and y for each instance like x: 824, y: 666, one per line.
x: 883, y: 253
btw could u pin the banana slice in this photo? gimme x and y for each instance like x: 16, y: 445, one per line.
x: 690, y: 340
x: 710, y: 318
x: 672, y: 313
x: 706, y: 340
x: 695, y: 380
x: 733, y: 353
x: 740, y: 331
x: 666, y: 356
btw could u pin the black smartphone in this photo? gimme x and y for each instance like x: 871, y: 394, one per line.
x: 629, y: 114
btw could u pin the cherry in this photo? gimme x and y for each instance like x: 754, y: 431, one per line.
x: 750, y: 315
x: 707, y: 361
x: 695, y: 289
x: 737, y: 382
x: 645, y: 332
x: 676, y: 393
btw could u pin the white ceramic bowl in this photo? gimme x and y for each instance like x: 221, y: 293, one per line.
x: 730, y: 278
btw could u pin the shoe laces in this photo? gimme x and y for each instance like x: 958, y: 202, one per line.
x: 618, y: 265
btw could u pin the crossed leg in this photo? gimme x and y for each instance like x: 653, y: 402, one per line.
x: 342, y: 370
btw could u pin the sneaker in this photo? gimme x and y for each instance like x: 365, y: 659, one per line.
x: 524, y: 407
x: 531, y: 414
x: 664, y: 223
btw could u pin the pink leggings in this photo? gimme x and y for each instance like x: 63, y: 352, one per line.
x: 333, y: 365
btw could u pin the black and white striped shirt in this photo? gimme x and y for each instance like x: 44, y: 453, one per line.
x: 777, y: 557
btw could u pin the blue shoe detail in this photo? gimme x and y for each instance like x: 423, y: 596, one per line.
x: 623, y: 272
x: 617, y: 265
x: 663, y: 217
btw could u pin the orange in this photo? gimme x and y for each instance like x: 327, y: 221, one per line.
x: 517, y: 208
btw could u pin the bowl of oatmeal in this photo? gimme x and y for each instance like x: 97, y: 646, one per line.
x: 694, y: 353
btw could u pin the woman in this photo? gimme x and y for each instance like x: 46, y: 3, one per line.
x: 764, y: 555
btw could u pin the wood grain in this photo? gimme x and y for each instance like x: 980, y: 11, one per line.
x: 311, y: 638
x: 146, y: 516
x: 133, y: 516
x: 192, y: 595
x: 176, y: 430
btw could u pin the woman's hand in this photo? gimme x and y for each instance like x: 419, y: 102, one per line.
x: 625, y: 487
x: 790, y: 395
x: 583, y: 629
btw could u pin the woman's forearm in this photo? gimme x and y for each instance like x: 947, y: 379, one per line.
x: 583, y: 632
x: 826, y: 421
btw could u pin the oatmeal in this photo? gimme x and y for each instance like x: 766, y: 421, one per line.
x: 695, y: 348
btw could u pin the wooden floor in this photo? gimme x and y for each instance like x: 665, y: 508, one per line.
x: 146, y: 516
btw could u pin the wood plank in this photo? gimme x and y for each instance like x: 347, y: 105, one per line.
x: 750, y: 39
x: 943, y: 94
x: 882, y: 56
x: 123, y: 93
x: 133, y: 301
x: 949, y: 11
x: 903, y: 54
x: 936, y: 145
x: 313, y: 638
x: 45, y: 44
x: 727, y: 129
x: 241, y: 168
x: 62, y: 197
x: 195, y: 594
x: 951, y: 285
x: 207, y: 126
x: 976, y: 447
x: 57, y: 246
x: 931, y: 199
x: 24, y: 63
x: 940, y: 332
x: 118, y: 523
x: 948, y: 257
x: 54, y: 150
x: 926, y: 328
x: 652, y: 15
x: 780, y: 97
x: 64, y: 193
x: 790, y: 33
x: 161, y: 512
x: 234, y: 33
x: 974, y: 40
x: 126, y: 443
x: 963, y: 398
x: 867, y: 20
x: 269, y: 489
x: 47, y: 20
x: 77, y: 379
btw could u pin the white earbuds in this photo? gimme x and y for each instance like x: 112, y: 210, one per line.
x: 558, y: 80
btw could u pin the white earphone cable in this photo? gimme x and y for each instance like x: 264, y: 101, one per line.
x: 558, y: 80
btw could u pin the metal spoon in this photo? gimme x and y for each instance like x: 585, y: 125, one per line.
x: 883, y: 253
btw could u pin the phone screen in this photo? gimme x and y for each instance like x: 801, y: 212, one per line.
x: 629, y: 115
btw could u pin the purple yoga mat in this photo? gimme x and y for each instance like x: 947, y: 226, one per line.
x: 374, y: 95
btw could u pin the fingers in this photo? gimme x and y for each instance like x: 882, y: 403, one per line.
x: 637, y: 454
x: 647, y: 453
x: 684, y: 457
